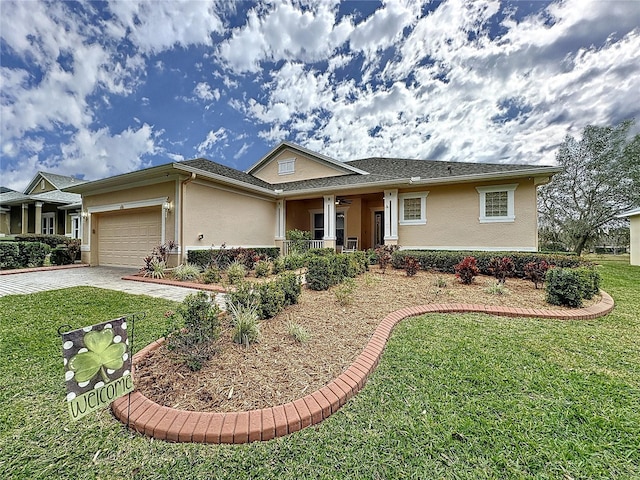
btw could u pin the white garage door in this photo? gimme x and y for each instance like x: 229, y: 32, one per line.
x: 125, y: 238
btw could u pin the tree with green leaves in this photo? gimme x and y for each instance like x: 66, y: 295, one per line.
x: 600, y: 180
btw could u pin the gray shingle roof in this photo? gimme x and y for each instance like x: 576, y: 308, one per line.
x: 223, y: 170
x: 60, y: 181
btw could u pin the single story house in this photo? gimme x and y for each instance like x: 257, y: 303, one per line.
x: 42, y: 208
x: 634, y: 217
x: 372, y: 201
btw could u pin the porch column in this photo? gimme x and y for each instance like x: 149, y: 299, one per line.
x: 281, y: 226
x: 391, y: 217
x: 25, y: 218
x: 38, y: 217
x: 329, y: 221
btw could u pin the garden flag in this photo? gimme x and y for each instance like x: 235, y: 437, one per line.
x: 97, y: 364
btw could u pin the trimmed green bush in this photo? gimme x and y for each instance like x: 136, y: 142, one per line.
x: 236, y: 272
x: 291, y: 286
x: 564, y: 287
x: 272, y: 300
x: 51, y: 240
x: 211, y: 275
x: 294, y: 261
x: 244, y: 294
x: 32, y: 254
x: 222, y: 256
x: 9, y: 255
x: 445, y: 260
x: 60, y: 256
x: 263, y: 268
x: 319, y: 275
x: 326, y: 271
x: 590, y: 282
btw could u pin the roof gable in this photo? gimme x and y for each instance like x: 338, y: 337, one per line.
x: 309, y: 165
x: 52, y: 182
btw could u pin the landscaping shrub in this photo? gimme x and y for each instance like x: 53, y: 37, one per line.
x: 222, y: 257
x: 496, y: 289
x: 211, y: 275
x: 186, y: 272
x: 466, y: 270
x: 236, y: 271
x: 445, y: 261
x: 344, y: 292
x: 291, y: 285
x: 589, y: 282
x: 271, y: 300
x: 246, y: 329
x: 278, y: 265
x: 411, y: 266
x: 154, y: 267
x: 321, y: 252
x: 299, y: 240
x: 564, y: 287
x: 501, y: 268
x: 192, y: 338
x: 536, y: 272
x: 244, y: 294
x: 385, y: 254
x: 9, y: 255
x: 60, y: 256
x: 319, y: 276
x: 32, y: 254
x: 51, y: 240
x: 263, y: 268
x: 294, y: 261
x: 360, y: 261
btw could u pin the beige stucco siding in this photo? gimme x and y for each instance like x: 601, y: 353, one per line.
x: 305, y: 169
x: 635, y: 239
x: 453, y: 220
x: 48, y: 187
x: 224, y: 216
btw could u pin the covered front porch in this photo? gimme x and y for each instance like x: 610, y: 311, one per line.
x: 371, y: 219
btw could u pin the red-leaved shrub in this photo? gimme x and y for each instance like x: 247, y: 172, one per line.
x: 466, y: 270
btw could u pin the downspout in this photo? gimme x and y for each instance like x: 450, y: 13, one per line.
x: 183, y: 190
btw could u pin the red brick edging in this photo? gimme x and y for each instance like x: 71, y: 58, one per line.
x: 166, y: 423
x: 175, y: 283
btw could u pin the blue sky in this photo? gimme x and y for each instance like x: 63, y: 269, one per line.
x: 102, y: 88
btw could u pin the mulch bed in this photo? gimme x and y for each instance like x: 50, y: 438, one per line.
x: 279, y: 369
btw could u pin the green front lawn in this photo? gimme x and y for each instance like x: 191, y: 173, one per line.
x: 455, y: 396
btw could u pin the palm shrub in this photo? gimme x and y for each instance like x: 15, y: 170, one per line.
x: 466, y: 270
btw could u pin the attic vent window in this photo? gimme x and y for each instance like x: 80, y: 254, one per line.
x: 42, y: 184
x: 287, y: 167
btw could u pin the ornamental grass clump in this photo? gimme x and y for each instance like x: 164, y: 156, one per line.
x: 186, y: 272
x: 466, y: 270
x: 236, y: 271
x: 246, y: 329
x: 298, y: 332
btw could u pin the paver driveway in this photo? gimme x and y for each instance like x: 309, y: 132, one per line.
x: 103, y: 277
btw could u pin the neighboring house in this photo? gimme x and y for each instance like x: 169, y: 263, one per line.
x: 634, y: 218
x: 42, y: 207
x: 412, y: 203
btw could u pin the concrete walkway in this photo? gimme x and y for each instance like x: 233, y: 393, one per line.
x: 102, y: 277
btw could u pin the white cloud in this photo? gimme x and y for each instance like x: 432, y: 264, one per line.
x: 213, y: 138
x: 204, y: 92
x: 157, y: 26
x: 100, y: 154
x: 283, y: 31
x: 245, y: 147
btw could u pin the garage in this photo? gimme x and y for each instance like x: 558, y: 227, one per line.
x: 125, y: 238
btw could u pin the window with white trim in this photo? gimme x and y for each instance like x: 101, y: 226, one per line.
x: 413, y: 208
x: 48, y: 223
x: 497, y: 203
x: 286, y: 167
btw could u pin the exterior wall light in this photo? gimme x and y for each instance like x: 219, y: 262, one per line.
x: 200, y: 236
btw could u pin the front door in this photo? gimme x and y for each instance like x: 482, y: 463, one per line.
x: 378, y: 228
